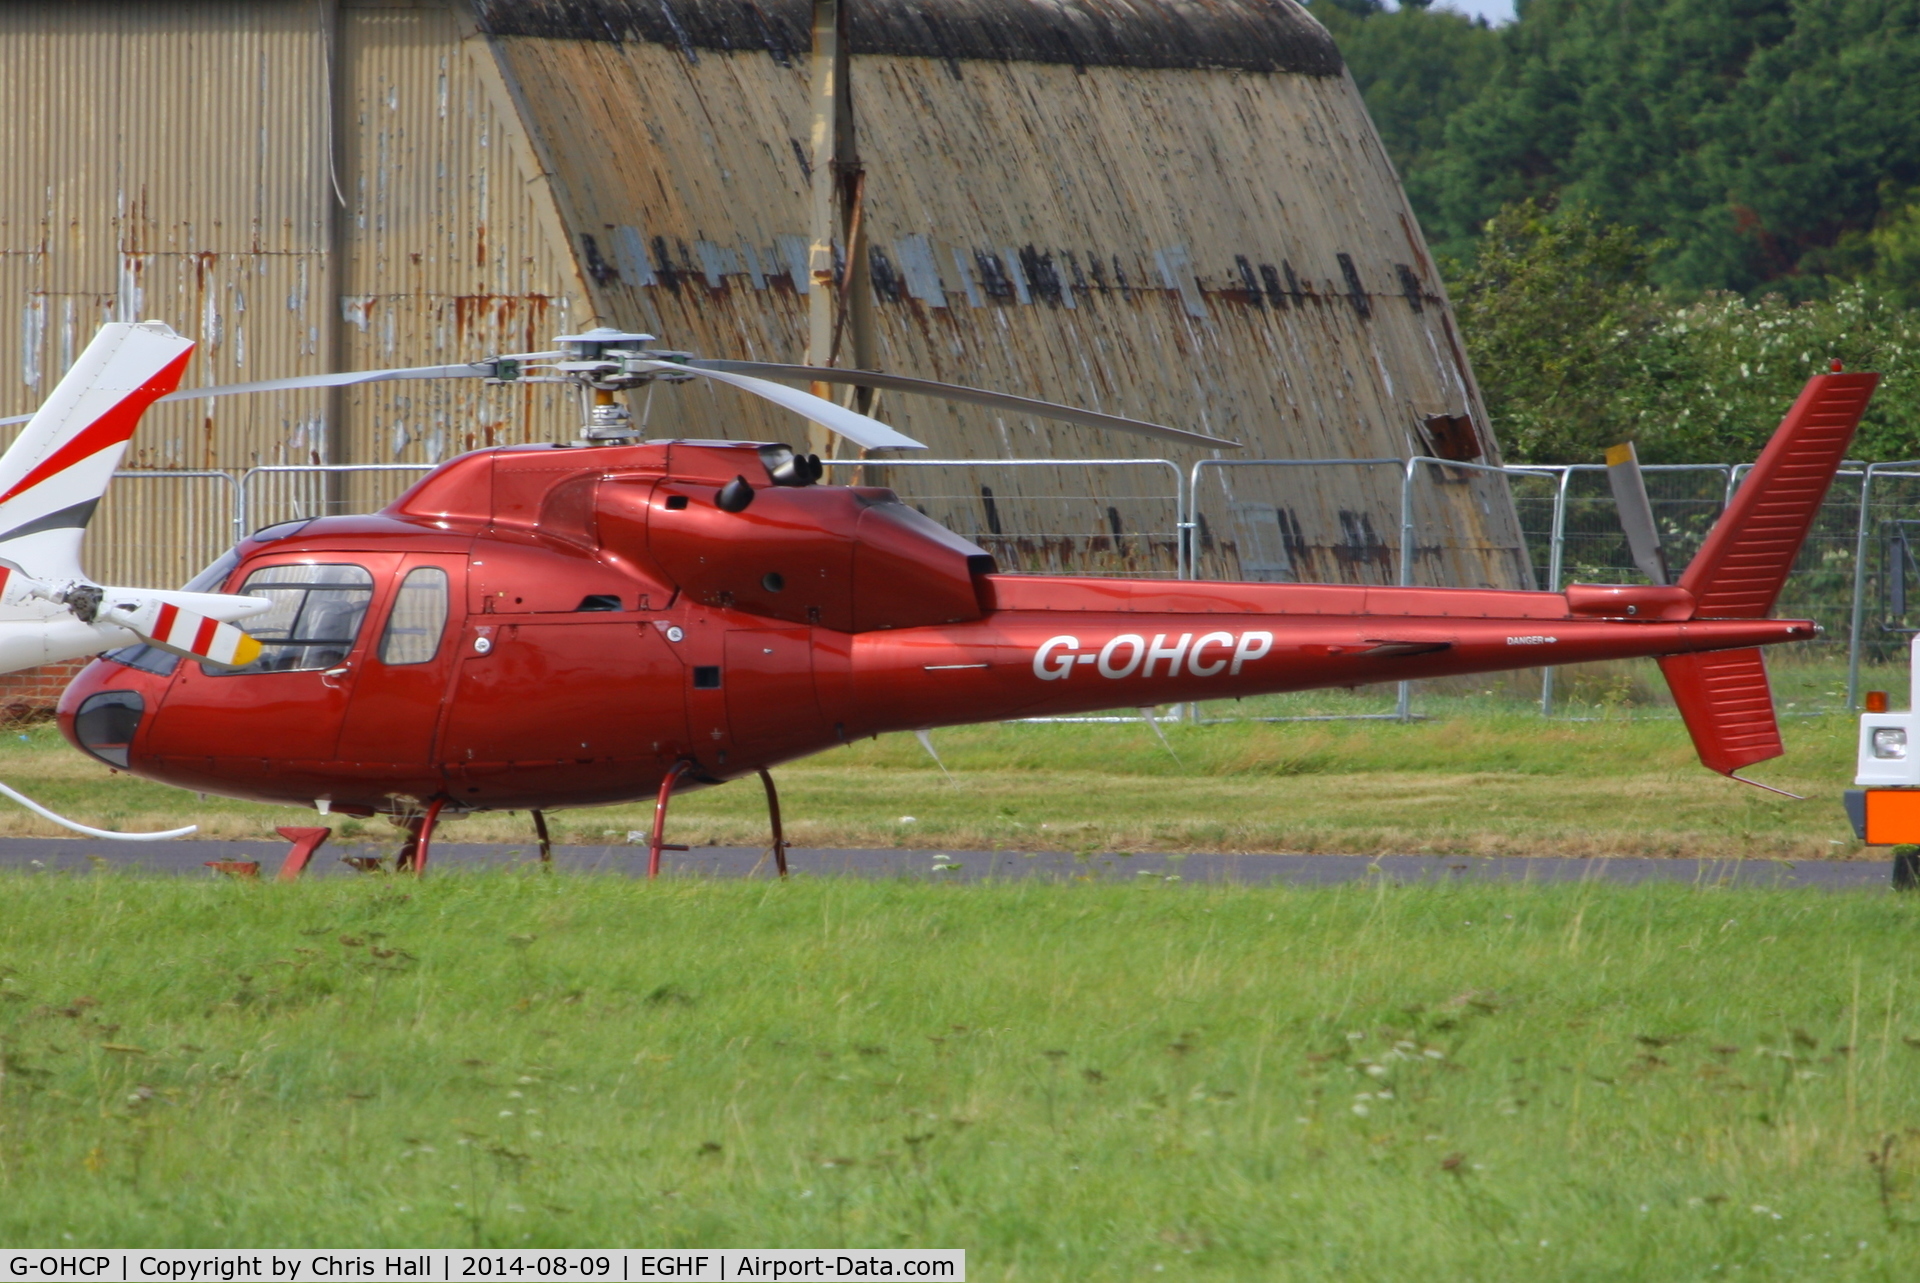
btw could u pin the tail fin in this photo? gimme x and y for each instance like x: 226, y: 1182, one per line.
x: 1727, y: 705
x: 52, y: 476
x: 1723, y: 696
x: 1742, y: 566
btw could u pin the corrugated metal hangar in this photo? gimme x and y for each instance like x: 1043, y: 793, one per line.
x: 1175, y: 210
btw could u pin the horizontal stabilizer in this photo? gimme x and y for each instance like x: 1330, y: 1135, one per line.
x: 1727, y: 706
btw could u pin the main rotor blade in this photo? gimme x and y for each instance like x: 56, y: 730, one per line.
x: 1636, y: 511
x: 478, y: 370
x: 348, y: 379
x: 956, y: 392
x: 870, y: 434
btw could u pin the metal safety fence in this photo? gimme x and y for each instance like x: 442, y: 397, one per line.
x: 1423, y: 521
x: 275, y: 493
x: 1034, y: 518
x: 157, y: 529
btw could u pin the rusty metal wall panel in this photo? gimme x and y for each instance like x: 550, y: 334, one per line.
x: 181, y: 162
x: 193, y: 183
x: 162, y: 162
x: 1226, y: 248
x: 450, y: 260
x: 1223, y: 250
x: 159, y: 529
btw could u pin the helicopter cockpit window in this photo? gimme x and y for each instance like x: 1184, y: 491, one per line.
x: 418, y: 618
x: 316, y: 615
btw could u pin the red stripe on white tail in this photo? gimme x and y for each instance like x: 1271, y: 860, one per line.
x: 59, y: 466
x: 110, y: 430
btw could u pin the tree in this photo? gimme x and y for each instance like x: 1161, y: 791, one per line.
x: 1758, y: 137
x: 1575, y: 350
x: 1414, y: 67
x: 1562, y: 329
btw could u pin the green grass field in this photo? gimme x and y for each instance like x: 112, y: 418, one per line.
x: 1072, y: 1081
x: 1476, y: 778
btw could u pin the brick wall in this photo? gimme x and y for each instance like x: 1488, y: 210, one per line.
x: 30, y: 695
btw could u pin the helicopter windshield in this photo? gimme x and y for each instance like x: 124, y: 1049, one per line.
x: 316, y: 616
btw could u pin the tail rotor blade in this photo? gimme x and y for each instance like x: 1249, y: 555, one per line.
x: 956, y: 392
x: 183, y: 632
x: 1636, y: 512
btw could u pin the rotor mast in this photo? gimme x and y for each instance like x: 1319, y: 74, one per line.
x: 840, y: 297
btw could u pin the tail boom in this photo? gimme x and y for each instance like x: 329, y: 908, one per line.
x: 1028, y: 663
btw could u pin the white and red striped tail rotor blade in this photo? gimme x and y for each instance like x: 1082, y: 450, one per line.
x: 185, y: 633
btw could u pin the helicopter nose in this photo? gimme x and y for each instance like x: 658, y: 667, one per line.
x: 105, y: 724
x: 103, y: 709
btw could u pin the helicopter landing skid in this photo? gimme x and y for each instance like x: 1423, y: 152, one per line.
x: 305, y: 843
x: 654, y: 844
x: 413, y: 854
x: 779, y: 837
x: 546, y: 842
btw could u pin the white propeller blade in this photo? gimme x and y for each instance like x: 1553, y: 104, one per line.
x: 182, y: 632
x: 1636, y: 511
x: 349, y: 379
x: 861, y: 429
x: 956, y: 392
x: 869, y: 434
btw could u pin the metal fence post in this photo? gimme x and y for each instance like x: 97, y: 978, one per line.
x: 1403, y: 698
x: 1182, y: 536
x: 1556, y: 563
x: 1858, y: 615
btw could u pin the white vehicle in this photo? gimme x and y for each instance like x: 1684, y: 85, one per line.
x: 1885, y: 805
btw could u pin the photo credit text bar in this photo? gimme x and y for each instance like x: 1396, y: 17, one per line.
x: 389, y: 1265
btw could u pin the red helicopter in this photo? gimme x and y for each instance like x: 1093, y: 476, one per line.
x: 574, y: 625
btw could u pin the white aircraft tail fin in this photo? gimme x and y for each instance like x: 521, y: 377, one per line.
x: 52, y: 476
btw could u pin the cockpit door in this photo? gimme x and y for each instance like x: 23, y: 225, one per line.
x: 289, y: 703
x: 400, y: 686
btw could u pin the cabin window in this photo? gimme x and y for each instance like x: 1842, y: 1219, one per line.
x: 316, y: 615
x: 418, y: 618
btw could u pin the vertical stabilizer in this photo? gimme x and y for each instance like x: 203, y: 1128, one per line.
x: 1723, y: 695
x: 1741, y: 568
x: 52, y: 476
